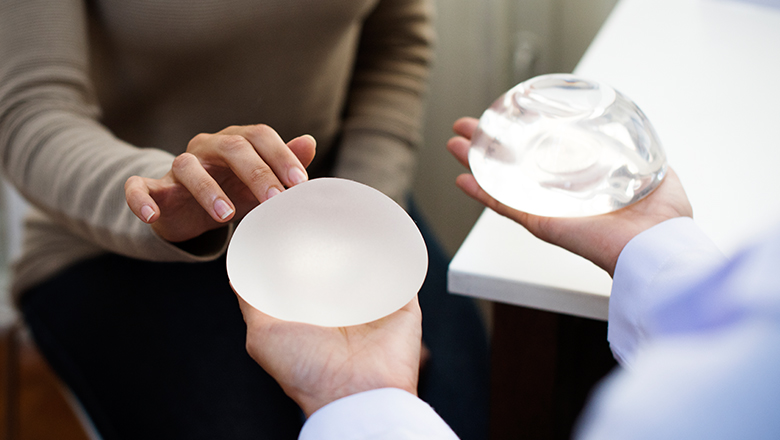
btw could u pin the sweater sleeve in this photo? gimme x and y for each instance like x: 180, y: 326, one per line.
x: 55, y: 151
x: 385, y: 104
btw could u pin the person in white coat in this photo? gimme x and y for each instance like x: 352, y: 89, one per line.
x: 697, y: 335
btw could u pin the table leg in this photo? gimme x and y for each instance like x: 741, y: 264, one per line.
x: 523, y: 354
x: 543, y: 367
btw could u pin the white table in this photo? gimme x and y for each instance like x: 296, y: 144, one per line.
x: 707, y: 75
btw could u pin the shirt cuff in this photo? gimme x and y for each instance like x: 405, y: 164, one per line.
x: 386, y: 413
x: 652, y: 268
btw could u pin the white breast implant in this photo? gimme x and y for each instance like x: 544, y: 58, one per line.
x: 561, y: 146
x: 330, y: 252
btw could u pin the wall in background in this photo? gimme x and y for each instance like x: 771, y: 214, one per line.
x: 484, y: 48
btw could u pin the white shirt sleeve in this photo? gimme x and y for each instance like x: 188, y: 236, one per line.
x: 383, y: 414
x: 652, y: 267
x: 705, y: 352
x: 705, y: 364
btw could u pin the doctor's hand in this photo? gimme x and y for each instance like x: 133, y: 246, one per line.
x: 219, y: 179
x: 600, y: 238
x: 317, y: 365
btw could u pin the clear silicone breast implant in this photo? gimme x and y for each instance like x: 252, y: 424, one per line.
x: 561, y: 146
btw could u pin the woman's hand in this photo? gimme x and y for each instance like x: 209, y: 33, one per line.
x: 599, y: 238
x: 318, y: 365
x: 220, y: 178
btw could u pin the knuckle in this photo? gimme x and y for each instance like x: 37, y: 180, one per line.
x: 260, y: 131
x: 132, y: 182
x: 182, y: 161
x: 231, y: 143
x: 260, y: 175
x: 197, y: 140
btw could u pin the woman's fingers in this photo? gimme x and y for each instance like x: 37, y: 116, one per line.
x: 188, y: 170
x: 139, y: 199
x: 257, y: 156
x: 240, y: 160
x: 236, y: 154
x: 304, y: 147
x: 271, y: 152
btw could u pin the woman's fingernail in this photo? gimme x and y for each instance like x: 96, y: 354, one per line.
x: 272, y: 191
x: 297, y: 175
x: 222, y: 209
x: 147, y: 212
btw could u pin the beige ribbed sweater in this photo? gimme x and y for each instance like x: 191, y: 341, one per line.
x: 92, y: 92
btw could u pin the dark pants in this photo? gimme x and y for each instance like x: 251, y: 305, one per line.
x: 156, y: 350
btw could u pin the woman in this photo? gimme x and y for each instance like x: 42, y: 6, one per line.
x: 132, y: 306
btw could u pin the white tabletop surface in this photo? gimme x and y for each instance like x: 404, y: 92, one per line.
x: 707, y: 75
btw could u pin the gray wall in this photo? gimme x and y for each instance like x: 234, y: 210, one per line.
x: 484, y: 48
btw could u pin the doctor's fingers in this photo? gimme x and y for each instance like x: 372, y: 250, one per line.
x: 459, y: 147
x: 465, y: 126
